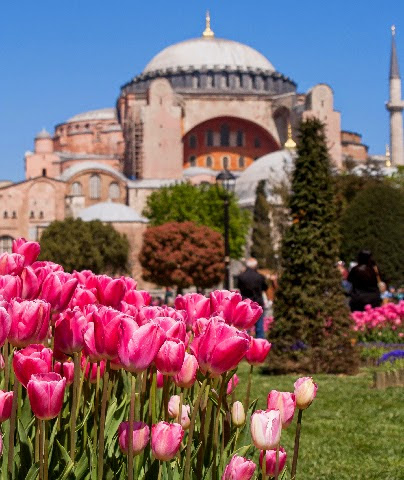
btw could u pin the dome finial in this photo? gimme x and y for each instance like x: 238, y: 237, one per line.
x: 290, y: 144
x: 393, y: 30
x: 208, y: 32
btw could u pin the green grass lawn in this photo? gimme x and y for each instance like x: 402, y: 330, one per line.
x: 351, y: 431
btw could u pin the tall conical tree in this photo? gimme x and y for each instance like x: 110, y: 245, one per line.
x: 312, y: 322
x: 261, y: 247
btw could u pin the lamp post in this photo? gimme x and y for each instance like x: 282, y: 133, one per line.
x: 226, y: 180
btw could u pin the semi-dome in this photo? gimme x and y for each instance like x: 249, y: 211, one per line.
x: 212, y: 52
x: 111, y: 212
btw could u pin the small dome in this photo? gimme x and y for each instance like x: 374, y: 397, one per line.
x: 111, y: 212
x: 43, y: 134
x: 209, y: 52
x: 100, y: 114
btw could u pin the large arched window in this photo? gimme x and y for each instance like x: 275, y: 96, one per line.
x: 95, y: 186
x: 6, y: 244
x: 76, y: 189
x: 114, y: 190
x: 192, y: 141
x: 224, y: 135
x: 209, y: 138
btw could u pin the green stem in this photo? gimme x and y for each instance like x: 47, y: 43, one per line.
x: 37, y: 430
x: 152, y: 402
x: 101, y: 439
x: 10, y: 464
x: 217, y: 421
x: 264, y: 465
x: 166, y: 385
x: 297, y: 441
x: 6, y: 366
x: 96, y: 403
x: 76, y: 360
x: 41, y: 450
x: 247, y: 395
x: 46, y: 449
x: 160, y: 471
x: 131, y: 420
x: 187, y: 468
x: 277, y: 463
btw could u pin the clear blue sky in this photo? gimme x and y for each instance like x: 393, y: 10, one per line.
x: 61, y: 58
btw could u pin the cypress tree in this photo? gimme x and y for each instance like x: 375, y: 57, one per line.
x: 312, y: 321
x: 261, y: 247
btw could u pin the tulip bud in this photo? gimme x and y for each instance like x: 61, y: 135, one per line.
x: 239, y: 468
x: 69, y: 331
x: 45, y: 393
x: 67, y: 372
x: 30, y: 250
x: 174, y: 406
x: 141, y: 435
x: 30, y: 283
x: 6, y: 401
x: 29, y: 322
x: 185, y: 420
x: 170, y: 357
x: 271, y: 461
x: 305, y: 392
x: 11, y: 263
x: 31, y: 360
x: 187, y: 375
x: 10, y: 287
x: 231, y: 386
x: 159, y: 380
x: 5, y: 325
x: 166, y: 439
x: 266, y: 428
x: 285, y: 402
x: 58, y: 289
x: 238, y: 414
x: 258, y: 351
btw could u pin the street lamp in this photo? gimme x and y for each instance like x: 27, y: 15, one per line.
x: 227, y: 181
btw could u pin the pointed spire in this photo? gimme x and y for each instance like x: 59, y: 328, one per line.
x: 394, y: 70
x: 208, y: 32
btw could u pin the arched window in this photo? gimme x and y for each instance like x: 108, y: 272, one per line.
x: 226, y: 162
x: 240, y: 138
x: 209, y: 162
x: 224, y: 135
x: 95, y: 186
x: 209, y: 138
x: 192, y: 141
x: 241, y: 162
x: 76, y: 189
x: 195, y: 81
x: 6, y: 244
x: 114, y: 190
x: 192, y: 161
x: 209, y: 80
x: 41, y: 215
x: 5, y: 214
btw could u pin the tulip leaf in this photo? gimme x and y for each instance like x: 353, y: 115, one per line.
x: 81, y: 467
x: 115, y: 416
x: 33, y: 472
x: 242, y: 451
x: 89, y: 411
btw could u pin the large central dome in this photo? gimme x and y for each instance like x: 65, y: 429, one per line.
x: 208, y: 53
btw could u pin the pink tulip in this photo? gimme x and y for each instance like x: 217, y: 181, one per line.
x: 187, y: 375
x: 185, y: 420
x: 138, y: 346
x: 69, y: 331
x: 195, y: 305
x: 174, y: 406
x: 6, y: 401
x: 91, y: 369
x: 45, y: 393
x: 258, y: 351
x: 285, y: 402
x: 238, y: 414
x: 305, y: 392
x: 223, y: 303
x: 10, y: 287
x: 31, y: 360
x: 90, y: 350
x: 67, y: 372
x: 174, y: 329
x: 270, y: 457
x: 170, y: 357
x: 166, y: 439
x: 107, y: 331
x: 141, y: 436
x: 30, y: 283
x: 220, y: 347
x: 58, y: 289
x: 159, y: 379
x: 231, y: 386
x: 82, y: 276
x: 29, y: 322
x: 239, y: 468
x: 245, y: 314
x: 110, y: 291
x: 81, y: 297
x: 30, y: 250
x: 11, y: 263
x: 138, y: 298
x: 5, y: 325
x: 266, y: 428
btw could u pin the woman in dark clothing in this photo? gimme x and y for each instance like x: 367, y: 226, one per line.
x: 364, y: 279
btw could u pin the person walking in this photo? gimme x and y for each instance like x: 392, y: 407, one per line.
x: 252, y: 285
x: 364, y: 279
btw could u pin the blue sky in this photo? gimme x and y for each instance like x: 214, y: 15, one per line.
x: 62, y: 58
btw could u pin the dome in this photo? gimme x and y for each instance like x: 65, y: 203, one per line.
x: 100, y: 114
x: 43, y: 134
x: 210, y: 52
x: 111, y: 212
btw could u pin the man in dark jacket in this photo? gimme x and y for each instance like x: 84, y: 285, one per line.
x: 252, y: 285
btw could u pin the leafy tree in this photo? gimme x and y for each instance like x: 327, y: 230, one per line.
x: 375, y: 221
x: 261, y: 248
x: 182, y: 254
x: 312, y: 321
x: 78, y: 245
x: 203, y: 205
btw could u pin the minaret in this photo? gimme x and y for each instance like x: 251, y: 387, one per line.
x: 395, y: 106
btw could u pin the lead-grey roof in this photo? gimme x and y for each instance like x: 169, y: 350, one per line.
x: 99, y: 114
x: 111, y: 212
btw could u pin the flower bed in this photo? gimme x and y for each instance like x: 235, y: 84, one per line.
x: 96, y: 383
